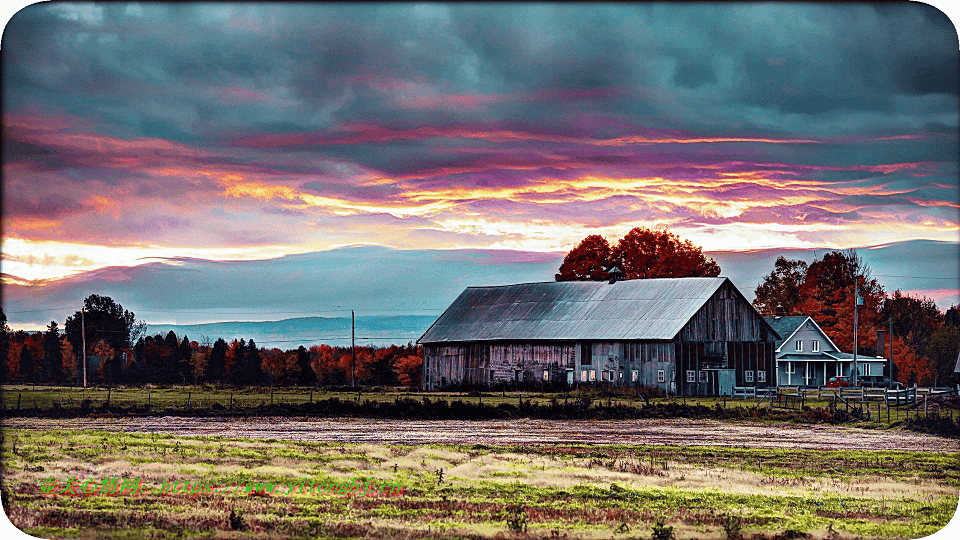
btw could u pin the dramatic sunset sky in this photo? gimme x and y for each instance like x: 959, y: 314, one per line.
x: 242, y: 131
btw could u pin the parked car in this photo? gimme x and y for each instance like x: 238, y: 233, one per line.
x: 879, y: 381
x: 840, y: 381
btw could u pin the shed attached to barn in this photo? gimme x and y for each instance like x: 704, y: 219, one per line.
x: 690, y: 336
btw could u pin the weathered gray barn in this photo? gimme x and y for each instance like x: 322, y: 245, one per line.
x: 690, y: 336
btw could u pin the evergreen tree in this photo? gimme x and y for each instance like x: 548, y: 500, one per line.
x: 216, y: 364
x: 27, y: 368
x: 305, y: 374
x: 184, y: 366
x: 254, y: 364
x: 52, y: 355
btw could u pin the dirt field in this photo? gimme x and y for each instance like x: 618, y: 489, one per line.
x: 679, y: 432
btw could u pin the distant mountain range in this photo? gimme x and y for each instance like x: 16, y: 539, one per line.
x: 388, y: 285
x: 292, y: 333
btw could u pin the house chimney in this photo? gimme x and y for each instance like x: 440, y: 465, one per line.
x: 780, y: 312
x: 881, y: 342
x: 615, y: 274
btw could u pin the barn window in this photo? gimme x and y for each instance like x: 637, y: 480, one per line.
x: 661, y: 375
x: 799, y: 345
x: 703, y: 376
x: 761, y: 376
x: 749, y: 375
x: 635, y: 375
x: 815, y: 345
x: 691, y: 376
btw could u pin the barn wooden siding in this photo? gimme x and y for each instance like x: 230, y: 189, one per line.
x: 726, y: 333
x: 488, y: 363
x: 643, y: 332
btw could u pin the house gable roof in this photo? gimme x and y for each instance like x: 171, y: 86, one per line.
x: 789, y: 325
x: 639, y: 309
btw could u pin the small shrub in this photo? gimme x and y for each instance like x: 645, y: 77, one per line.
x: 661, y: 531
x: 732, y: 525
x: 517, y: 519
x: 236, y: 521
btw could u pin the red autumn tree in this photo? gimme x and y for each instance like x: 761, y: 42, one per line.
x: 827, y: 295
x: 642, y: 253
x: 657, y: 253
x: 587, y: 261
x: 410, y: 371
x: 325, y: 365
x: 909, y: 367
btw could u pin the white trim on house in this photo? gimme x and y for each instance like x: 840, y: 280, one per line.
x: 799, y: 326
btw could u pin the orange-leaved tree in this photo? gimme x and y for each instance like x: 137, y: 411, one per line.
x: 642, y: 253
x: 827, y: 295
x: 586, y: 262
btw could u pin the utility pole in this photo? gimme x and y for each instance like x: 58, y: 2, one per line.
x: 890, y: 352
x: 856, y: 303
x: 353, y: 345
x: 83, y: 334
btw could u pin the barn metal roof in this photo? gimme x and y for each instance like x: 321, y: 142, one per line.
x: 639, y: 309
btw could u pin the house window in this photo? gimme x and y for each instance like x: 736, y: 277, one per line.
x: 815, y: 345
x: 791, y: 368
x: 661, y: 375
x: 761, y: 376
x: 799, y: 345
x: 621, y: 375
x: 491, y: 375
x: 593, y: 375
x: 703, y: 376
x: 546, y: 375
x: 583, y: 375
x: 635, y: 375
x: 603, y: 375
x: 749, y: 376
x: 691, y: 376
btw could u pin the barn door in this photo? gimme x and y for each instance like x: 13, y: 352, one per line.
x: 726, y: 379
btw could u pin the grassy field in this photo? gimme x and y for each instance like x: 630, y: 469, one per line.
x: 474, y: 491
x: 24, y: 399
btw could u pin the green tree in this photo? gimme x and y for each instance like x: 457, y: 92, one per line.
x: 913, y: 318
x: 305, y: 374
x: 943, y: 349
x: 52, y: 355
x: 27, y: 368
x: 214, y: 370
x: 103, y: 319
x: 781, y: 288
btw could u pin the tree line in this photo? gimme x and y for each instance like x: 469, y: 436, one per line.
x: 926, y: 340
x: 123, y: 354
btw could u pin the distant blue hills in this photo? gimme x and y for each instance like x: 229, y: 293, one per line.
x: 396, y: 294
